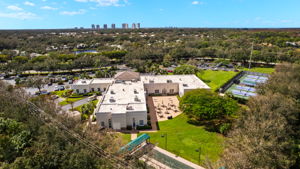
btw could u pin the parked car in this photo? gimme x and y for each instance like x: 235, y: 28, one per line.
x: 56, y: 88
x: 61, y: 88
x: 70, y: 81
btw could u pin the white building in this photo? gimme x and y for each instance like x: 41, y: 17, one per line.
x: 90, y: 85
x: 124, y: 97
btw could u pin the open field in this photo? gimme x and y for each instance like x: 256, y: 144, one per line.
x: 215, y: 79
x: 184, y: 138
x: 260, y: 70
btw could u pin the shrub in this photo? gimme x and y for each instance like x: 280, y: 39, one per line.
x: 224, y: 128
x: 146, y: 127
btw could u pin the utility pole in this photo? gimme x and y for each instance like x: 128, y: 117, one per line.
x: 251, y: 56
x: 199, y: 151
x: 166, y: 140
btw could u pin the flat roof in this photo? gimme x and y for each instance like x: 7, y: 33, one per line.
x: 186, y: 81
x: 123, y: 97
x: 93, y: 81
x: 102, y: 80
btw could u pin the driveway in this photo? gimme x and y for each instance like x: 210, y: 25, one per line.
x: 76, y: 104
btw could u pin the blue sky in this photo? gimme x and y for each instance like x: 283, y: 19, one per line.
x: 32, y: 14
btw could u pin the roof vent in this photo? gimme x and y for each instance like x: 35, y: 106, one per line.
x: 129, y: 108
x: 137, y: 99
x: 112, y: 100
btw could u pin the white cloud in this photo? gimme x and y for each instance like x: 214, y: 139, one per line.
x: 197, y: 3
x: 71, y: 13
x: 48, y: 8
x: 14, y: 8
x: 106, y: 2
x: 19, y: 15
x: 29, y: 3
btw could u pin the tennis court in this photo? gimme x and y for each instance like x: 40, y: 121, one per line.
x: 245, y: 87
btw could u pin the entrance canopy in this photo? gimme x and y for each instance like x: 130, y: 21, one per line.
x: 135, y: 143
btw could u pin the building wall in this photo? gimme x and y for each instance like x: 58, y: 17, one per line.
x: 151, y: 87
x: 103, y: 117
x: 80, y: 88
x: 118, y: 121
x: 89, y: 87
x: 137, y: 117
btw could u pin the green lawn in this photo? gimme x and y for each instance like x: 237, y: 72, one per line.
x: 215, y: 79
x: 78, y: 108
x: 260, y: 70
x: 184, y: 138
x: 126, y: 138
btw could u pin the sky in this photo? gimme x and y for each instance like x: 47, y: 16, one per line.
x: 48, y: 14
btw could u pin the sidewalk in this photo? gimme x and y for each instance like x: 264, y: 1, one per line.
x: 184, y: 161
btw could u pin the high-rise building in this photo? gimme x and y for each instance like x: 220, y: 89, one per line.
x: 98, y: 26
x: 105, y: 26
x: 138, y: 25
x: 133, y: 26
x: 125, y: 25
x: 113, y: 26
x: 93, y: 26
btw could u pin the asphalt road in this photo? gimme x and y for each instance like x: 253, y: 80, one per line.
x: 76, y: 104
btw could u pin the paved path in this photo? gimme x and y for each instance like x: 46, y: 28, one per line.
x: 133, y: 136
x: 76, y: 104
x: 152, y: 113
x: 184, y: 161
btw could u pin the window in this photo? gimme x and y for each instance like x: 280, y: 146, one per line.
x: 156, y: 91
x: 93, y: 89
x: 104, y: 89
x: 109, y: 123
x: 99, y: 89
x: 84, y: 90
x: 102, y: 124
x: 141, y: 122
x: 77, y: 90
x: 171, y: 91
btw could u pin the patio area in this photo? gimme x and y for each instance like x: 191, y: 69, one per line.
x: 166, y: 107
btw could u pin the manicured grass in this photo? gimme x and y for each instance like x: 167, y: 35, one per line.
x: 184, y: 138
x: 215, y: 79
x: 126, y: 138
x: 78, y: 108
x: 58, y: 93
x: 70, y: 99
x: 260, y: 70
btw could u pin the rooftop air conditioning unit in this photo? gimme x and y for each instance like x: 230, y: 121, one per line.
x: 151, y: 81
x: 169, y: 81
x: 135, y: 91
x: 129, y: 108
x: 83, y: 81
x: 112, y: 92
x: 137, y: 99
x: 112, y: 100
x: 185, y: 85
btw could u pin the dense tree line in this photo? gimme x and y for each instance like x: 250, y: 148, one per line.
x: 267, y: 135
x: 30, y: 141
x: 143, y: 48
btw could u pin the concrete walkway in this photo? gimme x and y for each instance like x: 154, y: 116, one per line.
x: 133, y: 136
x: 184, y: 161
x: 76, y: 104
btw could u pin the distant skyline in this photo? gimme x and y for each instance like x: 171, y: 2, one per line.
x: 49, y: 14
